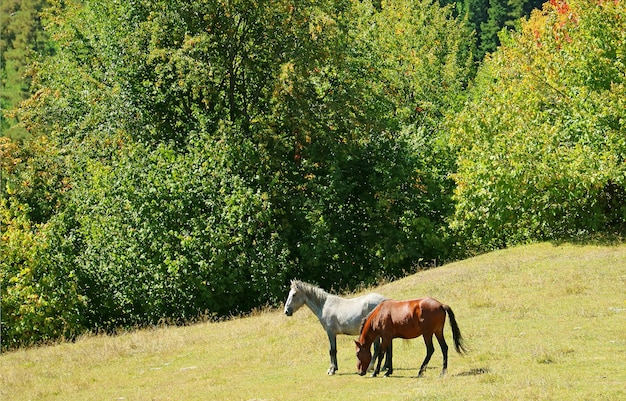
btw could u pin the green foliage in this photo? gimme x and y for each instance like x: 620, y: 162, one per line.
x: 368, y: 198
x: 38, y: 288
x: 171, y: 236
x: 210, y: 151
x: 489, y: 17
x: 22, y: 39
x: 497, y: 14
x: 541, y: 147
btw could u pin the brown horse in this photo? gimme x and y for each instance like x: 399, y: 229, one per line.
x: 406, y: 319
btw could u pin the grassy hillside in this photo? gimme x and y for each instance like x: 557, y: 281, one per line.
x: 543, y: 322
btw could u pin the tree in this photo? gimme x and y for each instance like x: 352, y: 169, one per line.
x: 39, y: 297
x: 366, y: 124
x: 22, y: 39
x: 489, y: 17
x: 213, y: 150
x: 497, y: 14
x: 541, y: 146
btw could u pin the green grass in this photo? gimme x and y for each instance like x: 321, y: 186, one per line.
x: 543, y: 322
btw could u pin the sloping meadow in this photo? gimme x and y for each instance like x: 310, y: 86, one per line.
x: 542, y: 322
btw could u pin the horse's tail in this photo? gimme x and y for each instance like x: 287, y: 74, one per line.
x: 456, y: 332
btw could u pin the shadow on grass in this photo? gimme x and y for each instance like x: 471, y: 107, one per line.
x: 473, y: 372
x: 395, y: 375
x: 380, y: 375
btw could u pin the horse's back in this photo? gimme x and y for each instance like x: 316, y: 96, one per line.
x: 410, y: 305
x: 410, y: 318
x: 372, y: 300
x: 432, y: 312
x: 344, y: 316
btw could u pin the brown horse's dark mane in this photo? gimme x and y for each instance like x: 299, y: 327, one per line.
x: 366, y: 318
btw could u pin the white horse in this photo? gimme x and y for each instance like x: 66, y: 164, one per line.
x: 337, y: 315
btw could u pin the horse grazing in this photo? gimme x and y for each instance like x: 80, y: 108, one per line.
x: 337, y: 315
x: 406, y: 319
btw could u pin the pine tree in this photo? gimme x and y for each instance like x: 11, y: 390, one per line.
x: 21, y: 38
x: 498, y: 14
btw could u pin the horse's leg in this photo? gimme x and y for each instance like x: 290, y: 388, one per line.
x: 430, y: 349
x: 376, y: 351
x: 381, y: 353
x: 332, y: 337
x: 444, y: 351
x: 389, y: 358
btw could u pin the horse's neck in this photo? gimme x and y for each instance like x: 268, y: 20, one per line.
x: 315, y: 301
x: 368, y: 335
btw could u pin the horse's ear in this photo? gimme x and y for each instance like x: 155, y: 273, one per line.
x: 358, y: 344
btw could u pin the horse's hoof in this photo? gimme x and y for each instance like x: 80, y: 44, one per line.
x: 331, y: 372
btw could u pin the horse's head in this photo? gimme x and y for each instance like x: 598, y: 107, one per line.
x: 295, y: 299
x: 364, y: 357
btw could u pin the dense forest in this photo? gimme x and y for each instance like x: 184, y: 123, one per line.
x: 167, y: 160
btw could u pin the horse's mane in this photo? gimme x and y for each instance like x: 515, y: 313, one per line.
x: 364, y: 320
x: 314, y: 291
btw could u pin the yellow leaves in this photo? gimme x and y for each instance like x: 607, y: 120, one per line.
x: 286, y: 79
x: 535, y: 27
x: 319, y: 23
x: 9, y: 155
